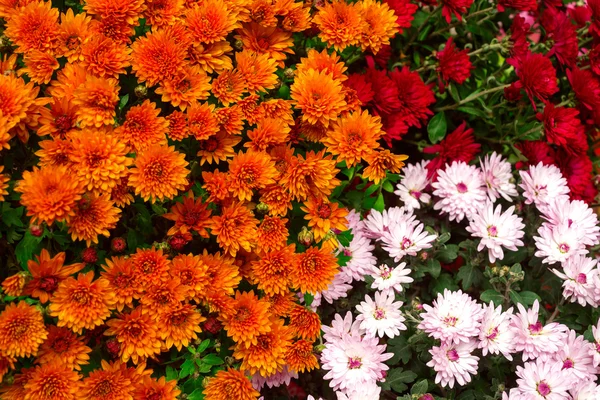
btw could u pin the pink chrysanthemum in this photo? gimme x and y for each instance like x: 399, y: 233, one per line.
x: 497, y: 175
x: 376, y: 224
x: 542, y: 184
x: 341, y: 327
x: 388, y: 279
x: 495, y: 335
x: 575, y: 358
x: 381, y: 317
x: 411, y: 188
x: 580, y: 280
x: 543, y: 380
x: 577, y: 215
x: 362, y: 259
x: 279, y: 378
x: 337, y: 289
x: 557, y: 243
x: 595, y: 349
x: 406, y: 239
x: 454, y: 363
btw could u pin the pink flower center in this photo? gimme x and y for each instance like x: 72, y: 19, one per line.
x: 450, y: 321
x: 347, y: 252
x: 543, y: 388
x: 452, y: 355
x: 536, y: 328
x: 492, y: 333
x: 406, y: 243
x: 354, y: 363
x: 581, y: 278
x: 563, y: 248
x: 598, y: 347
x: 570, y: 221
x: 379, y: 314
x: 415, y: 193
x: 386, y: 273
x: 461, y: 187
x: 568, y: 364
x: 492, y: 231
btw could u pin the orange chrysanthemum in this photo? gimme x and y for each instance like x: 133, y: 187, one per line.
x: 218, y: 147
x: 4, y: 135
x: 323, y: 61
x: 281, y: 304
x: 82, y: 303
x: 270, y: 132
x: 353, y: 137
x: 314, y: 271
x: 96, y: 100
x: 100, y: 160
x: 49, y: 194
x: 230, y: 385
x: 6, y: 364
x: 137, y: 334
x: 64, y: 347
x: 179, y: 325
x: 267, y: 356
x: 262, y: 12
x: 223, y: 274
x: 18, y: 100
x: 379, y: 25
x: 211, y: 57
x: 249, y: 171
x: 161, y: 13
x: 127, y: 10
x: 381, y: 162
x: 282, y: 156
x: 39, y: 66
x: 16, y: 391
x: 54, y: 152
x: 314, y: 174
x: 53, y: 381
x: 60, y: 120
x: 68, y: 79
x: 318, y: 96
x: 159, y: 173
x: 110, y: 382
x: 324, y: 216
x: 340, y: 24
x: 312, y: 132
x: 251, y: 109
x: 305, y: 323
x: 4, y: 179
x: 160, y: 296
x: 74, y: 31
x: 215, y: 183
x: 229, y: 87
x: 352, y: 100
x: 267, y: 40
x: 192, y: 273
x: 116, y: 29
x: 160, y: 389
x: 93, y: 216
x: 297, y: 18
x: 185, y: 87
x: 104, y: 57
x: 272, y: 234
x: 22, y: 330
x: 277, y: 199
x: 191, y: 215
x: 249, y: 319
x: 143, y: 127
x: 34, y: 27
x: 202, y: 121
x: 157, y: 56
x: 177, y: 129
x: 118, y: 272
x: 121, y: 193
x: 278, y: 108
x: 150, y: 265
x: 47, y: 273
x: 14, y: 284
x: 235, y: 228
x: 8, y: 7
x: 272, y: 272
x: 231, y: 119
x: 300, y: 357
x: 211, y: 22
x: 257, y: 70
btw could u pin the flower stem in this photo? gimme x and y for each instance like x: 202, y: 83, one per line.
x: 471, y: 98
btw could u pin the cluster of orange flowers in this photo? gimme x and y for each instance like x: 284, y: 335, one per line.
x: 93, y: 160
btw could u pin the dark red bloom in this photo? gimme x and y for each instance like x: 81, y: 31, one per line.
x: 536, y: 76
x: 89, y: 255
x: 394, y: 126
x: 383, y: 56
x: 385, y: 93
x: 578, y: 172
x: 118, y: 244
x: 362, y: 86
x: 519, y: 31
x: 581, y: 15
x: 594, y: 7
x: 454, y: 65
x: 177, y: 242
x: 521, y: 5
x: 535, y: 152
x: 113, y: 347
x: 455, y: 265
x: 456, y: 7
x: 594, y: 57
x: 459, y: 145
x: 563, y: 33
x: 212, y: 325
x: 404, y: 10
x: 512, y: 93
x: 36, y: 230
x: 563, y: 128
x: 586, y: 87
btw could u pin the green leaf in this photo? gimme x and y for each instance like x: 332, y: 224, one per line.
x: 437, y: 127
x: 433, y: 267
x: 388, y: 187
x: 345, y: 238
x: 448, y: 253
x: 308, y: 298
x: 284, y: 91
x: 371, y: 189
x: 211, y: 359
x: 401, y: 350
x: 123, y: 101
x: 187, y: 368
x: 397, y: 379
x: 529, y: 297
x: 204, y: 368
x: 444, y: 281
x: 379, y: 204
x: 343, y: 259
x: 171, y: 374
x: 196, y: 395
x: 12, y: 216
x: 420, y: 387
x: 516, y: 297
x: 454, y: 93
x: 492, y: 295
x: 466, y: 274
x: 27, y: 247
x: 203, y: 346
x: 473, y: 111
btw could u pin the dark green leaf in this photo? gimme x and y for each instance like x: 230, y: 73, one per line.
x: 529, y: 298
x: 387, y: 186
x: 433, y: 267
x: 123, y: 101
x: 196, y: 395
x: 345, y: 238
x: 211, y: 359
x: 454, y: 92
x: 466, y: 274
x: 308, y: 298
x: 516, y: 297
x: 420, y: 387
x: 473, y: 111
x: 448, y: 253
x: 437, y: 127
x: 397, y: 379
x: 492, y: 295
x: 444, y: 281
x: 27, y: 247
x: 401, y: 350
x: 12, y: 216
x: 187, y: 368
x: 203, y: 345
x: 379, y: 204
x: 171, y: 374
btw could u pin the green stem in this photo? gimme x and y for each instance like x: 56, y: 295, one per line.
x: 486, y: 48
x: 471, y: 98
x: 466, y: 17
x: 419, y: 29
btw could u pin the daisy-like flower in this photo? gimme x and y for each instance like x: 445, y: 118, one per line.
x: 149, y: 266
x: 118, y: 271
x: 228, y: 87
x: 235, y: 228
x: 33, y: 27
x: 59, y: 120
x: 157, y: 56
x: 337, y: 289
x: 461, y: 190
x: 272, y: 234
x: 159, y: 173
x: 586, y: 390
x: 576, y: 359
x: 102, y: 56
x: 406, y: 239
x: 250, y: 171
x: 543, y: 380
x: 340, y: 24
x: 495, y: 335
x: 257, y: 70
x: 157, y: 389
x: 192, y: 215
x: 270, y: 132
x: 382, y: 162
x: 14, y: 284
x: 218, y: 147
x: 362, y: 260
x: 39, y: 66
x: 111, y: 380
x: 318, y: 96
x: 543, y: 184
x: 96, y: 100
x: 272, y: 271
x: 179, y: 325
x: 454, y: 318
x: 311, y: 174
x: 324, y: 216
x: 379, y: 25
x: 411, y: 188
x: 178, y: 129
x: 497, y: 230
x: 454, y: 363
x: 277, y: 379
x: 314, y: 271
x: 52, y: 382
x: 192, y: 273
x: 162, y: 296
x: 497, y: 175
x: 388, y: 279
x: 577, y: 214
x: 211, y: 57
x: 142, y: 127
x: 305, y: 323
x: 534, y: 339
x: 212, y: 22
x: 340, y: 327
x: 377, y: 224
x: 595, y: 348
x: 580, y: 280
x: 82, y: 303
x: 22, y: 330
x: 137, y: 334
x: 381, y: 317
x: 65, y: 347
x: 185, y: 87
x: 248, y: 320
x: 93, y: 216
x: 558, y: 243
x: 231, y: 383
x: 202, y: 122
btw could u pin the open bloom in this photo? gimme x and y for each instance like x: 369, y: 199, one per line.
x: 388, y: 279
x: 411, y: 188
x: 381, y: 317
x: 542, y: 184
x: 580, y: 280
x: 362, y: 259
x: 543, y: 380
x: 454, y: 363
x: 576, y: 359
x: 577, y: 215
x: 497, y: 229
x: 406, y: 239
x: 497, y: 175
x: 495, y: 335
x: 557, y: 243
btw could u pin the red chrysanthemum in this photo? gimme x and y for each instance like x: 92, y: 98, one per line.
x: 587, y: 91
x: 456, y: 7
x: 578, y: 172
x: 520, y: 5
x: 536, y: 76
x: 563, y: 34
x: 563, y: 128
x: 536, y: 152
x: 454, y: 65
x: 404, y: 10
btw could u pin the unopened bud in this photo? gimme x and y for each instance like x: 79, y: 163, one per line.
x: 238, y: 44
x: 426, y: 397
x: 141, y: 91
x: 229, y: 360
x: 262, y: 208
x: 305, y: 237
x: 289, y: 73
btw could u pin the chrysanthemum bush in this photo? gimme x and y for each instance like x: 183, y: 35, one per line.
x: 209, y: 199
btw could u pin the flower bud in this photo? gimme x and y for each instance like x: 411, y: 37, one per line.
x: 262, y: 208
x: 238, y: 45
x: 141, y: 91
x: 118, y: 244
x: 289, y: 73
x: 36, y: 230
x: 305, y: 237
x: 426, y: 396
x: 89, y: 255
